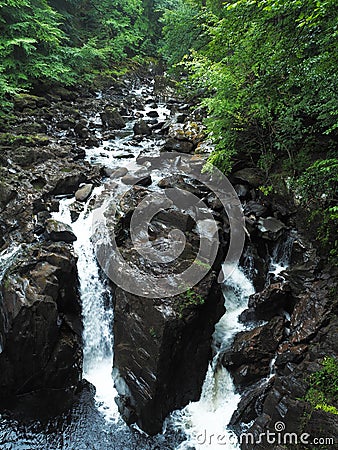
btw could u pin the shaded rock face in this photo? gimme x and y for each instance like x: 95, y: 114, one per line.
x: 249, y: 357
x: 301, y: 309
x: 162, y: 357
x: 142, y: 128
x: 273, y: 299
x: 112, y: 119
x: 58, y: 231
x: 162, y: 346
x: 41, y: 344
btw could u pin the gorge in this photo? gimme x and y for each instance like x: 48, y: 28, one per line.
x: 182, y: 372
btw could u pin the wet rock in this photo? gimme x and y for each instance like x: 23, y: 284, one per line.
x: 271, y: 228
x: 242, y: 191
x: 93, y: 141
x: 250, y: 405
x: 118, y: 173
x: 176, y: 145
x: 142, y: 128
x: 106, y: 171
x: 81, y: 129
x: 185, y: 184
x: 112, y: 119
x: 251, y: 176
x: 40, y: 348
x: 27, y: 156
x: 249, y: 357
x: 84, y: 192
x: 177, y: 219
x: 140, y: 180
x: 69, y: 184
x: 214, y: 202
x: 27, y: 101
x: 58, y: 231
x: 314, y: 307
x: 255, y: 260
x: 156, y: 373
x: 152, y: 114
x: 66, y: 124
x: 181, y: 118
x: 64, y: 94
x: 248, y: 316
x: 33, y: 128
x: 256, y: 209
x: 273, y: 300
x: 76, y: 209
x: 173, y: 334
x: 7, y: 194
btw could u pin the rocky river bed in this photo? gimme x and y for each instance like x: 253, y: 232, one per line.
x: 224, y: 358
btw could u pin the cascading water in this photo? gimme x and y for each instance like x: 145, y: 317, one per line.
x: 99, y: 426
x: 6, y: 259
x: 206, y: 421
x: 281, y: 255
x: 97, y: 318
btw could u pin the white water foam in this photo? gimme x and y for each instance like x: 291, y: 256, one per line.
x: 97, y: 318
x: 205, y: 422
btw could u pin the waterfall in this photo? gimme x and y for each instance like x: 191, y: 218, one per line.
x: 7, y: 257
x: 96, y: 314
x: 281, y: 255
x: 205, y: 422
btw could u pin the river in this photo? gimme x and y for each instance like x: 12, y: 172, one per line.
x: 96, y: 425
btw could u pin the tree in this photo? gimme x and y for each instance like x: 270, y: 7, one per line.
x: 29, y: 44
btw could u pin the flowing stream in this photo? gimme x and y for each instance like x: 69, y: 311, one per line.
x: 97, y: 426
x: 205, y: 422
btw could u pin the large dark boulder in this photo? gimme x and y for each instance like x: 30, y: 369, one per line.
x: 249, y: 175
x: 162, y: 352
x: 7, y: 194
x: 162, y: 346
x: 270, y: 228
x: 273, y: 300
x: 142, y: 128
x: 112, y: 119
x: 41, y: 343
x: 58, y: 231
x: 69, y: 184
x: 250, y: 355
x: 28, y: 101
x: 178, y: 145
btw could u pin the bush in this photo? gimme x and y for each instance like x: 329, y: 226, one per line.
x: 323, y: 390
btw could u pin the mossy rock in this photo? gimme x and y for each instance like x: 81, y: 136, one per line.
x: 31, y: 140
x: 27, y: 101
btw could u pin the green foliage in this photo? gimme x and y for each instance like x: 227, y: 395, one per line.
x: 317, y: 188
x: 269, y: 78
x: 182, y: 29
x: 189, y: 298
x: 266, y: 190
x: 67, y: 41
x: 323, y: 390
x: 319, y: 182
x: 29, y: 44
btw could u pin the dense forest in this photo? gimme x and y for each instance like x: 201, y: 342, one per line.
x: 264, y: 70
